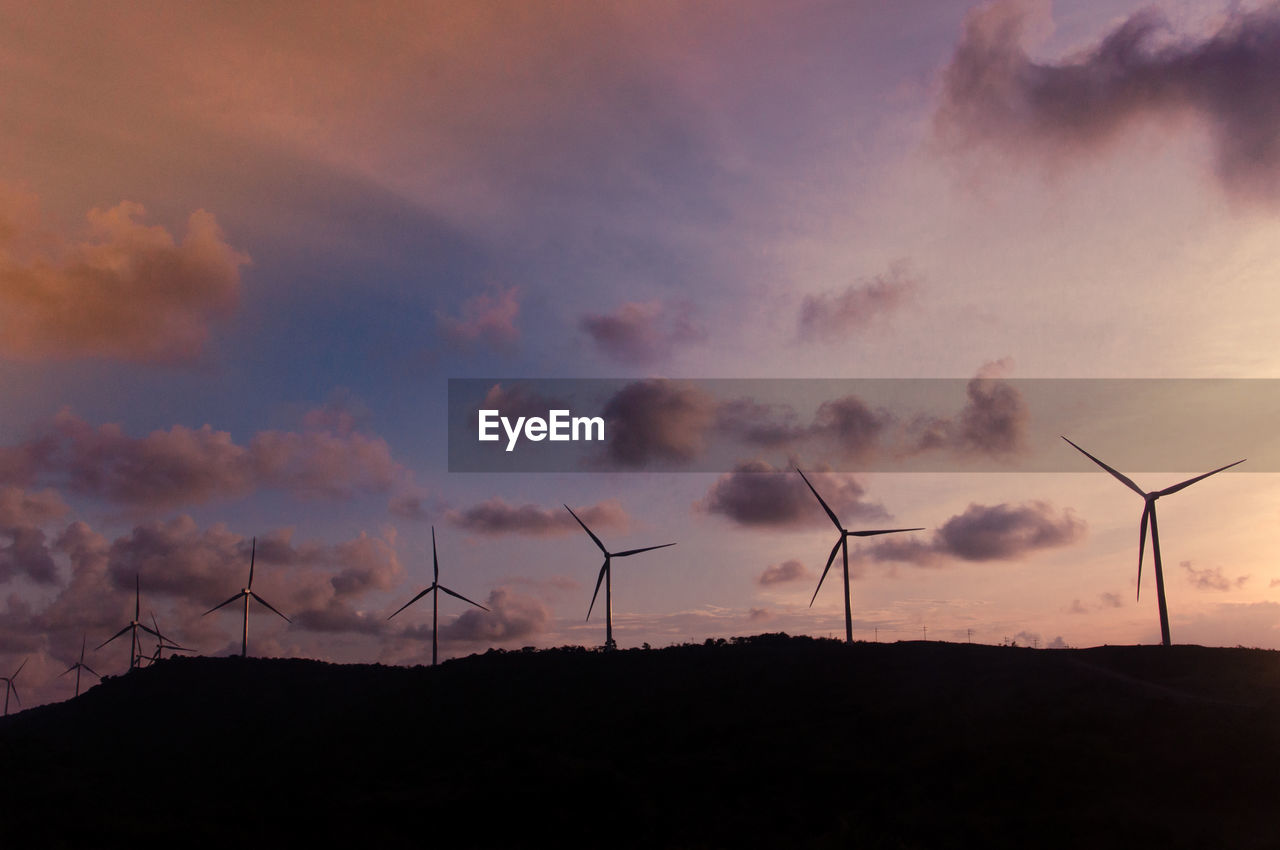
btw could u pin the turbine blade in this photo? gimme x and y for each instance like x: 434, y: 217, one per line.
x: 1169, y: 491
x: 268, y: 604
x: 68, y: 670
x: 15, y: 692
x: 19, y: 670
x: 90, y: 669
x: 587, y: 530
x: 228, y: 602
x: 149, y: 631
x: 638, y: 551
x: 599, y: 580
x: 1142, y: 545
x: 880, y: 531
x: 114, y: 636
x: 253, y: 555
x: 831, y: 559
x: 1127, y: 482
x: 825, y: 507
x: 435, y: 560
x: 463, y: 598
x: 413, y: 600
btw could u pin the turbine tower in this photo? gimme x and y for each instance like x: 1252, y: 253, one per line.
x: 606, y: 576
x: 134, y: 625
x: 435, y: 600
x: 1149, y: 513
x: 11, y: 686
x: 843, y: 545
x: 247, y: 593
x: 78, y: 666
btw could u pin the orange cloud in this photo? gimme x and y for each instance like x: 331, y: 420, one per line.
x: 128, y: 291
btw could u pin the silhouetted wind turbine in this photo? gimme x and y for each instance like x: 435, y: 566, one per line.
x: 78, y: 666
x: 435, y: 600
x: 843, y: 544
x: 134, y: 625
x: 1149, y: 512
x: 606, y: 575
x: 163, y: 643
x: 247, y: 593
x: 11, y: 686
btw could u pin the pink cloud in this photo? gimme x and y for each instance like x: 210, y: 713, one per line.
x: 183, y: 465
x: 495, y: 517
x: 487, y: 318
x: 831, y: 316
x: 641, y: 332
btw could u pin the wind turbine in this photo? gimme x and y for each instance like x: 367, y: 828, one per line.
x: 133, y: 626
x: 606, y: 575
x: 163, y: 643
x: 843, y: 545
x: 9, y: 685
x: 247, y: 593
x: 435, y: 600
x: 1149, y: 513
x: 78, y: 666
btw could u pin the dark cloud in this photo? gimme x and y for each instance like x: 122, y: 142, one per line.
x: 182, y: 465
x: 1110, y: 600
x: 994, y: 92
x: 757, y: 424
x: 488, y: 319
x: 851, y: 426
x: 20, y: 508
x: 833, y: 315
x: 339, y: 617
x: 26, y: 552
x: 412, y: 505
x: 495, y: 517
x: 1077, y: 607
x: 786, y: 571
x: 657, y: 421
x: 992, y: 423
x: 757, y: 494
x: 511, y: 616
x: 984, y: 533
x: 641, y: 332
x: 177, y: 558
x: 1211, y: 578
x: 759, y: 615
x: 129, y: 291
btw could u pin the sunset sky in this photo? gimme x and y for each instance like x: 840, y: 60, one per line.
x: 244, y: 247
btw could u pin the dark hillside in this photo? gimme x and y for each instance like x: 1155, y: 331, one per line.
x: 767, y: 742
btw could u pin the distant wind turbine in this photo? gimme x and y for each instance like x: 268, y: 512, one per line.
x: 247, y: 593
x: 435, y: 600
x: 843, y: 545
x: 78, y: 666
x: 163, y: 643
x: 134, y: 625
x: 1149, y: 513
x: 606, y: 576
x: 11, y: 686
